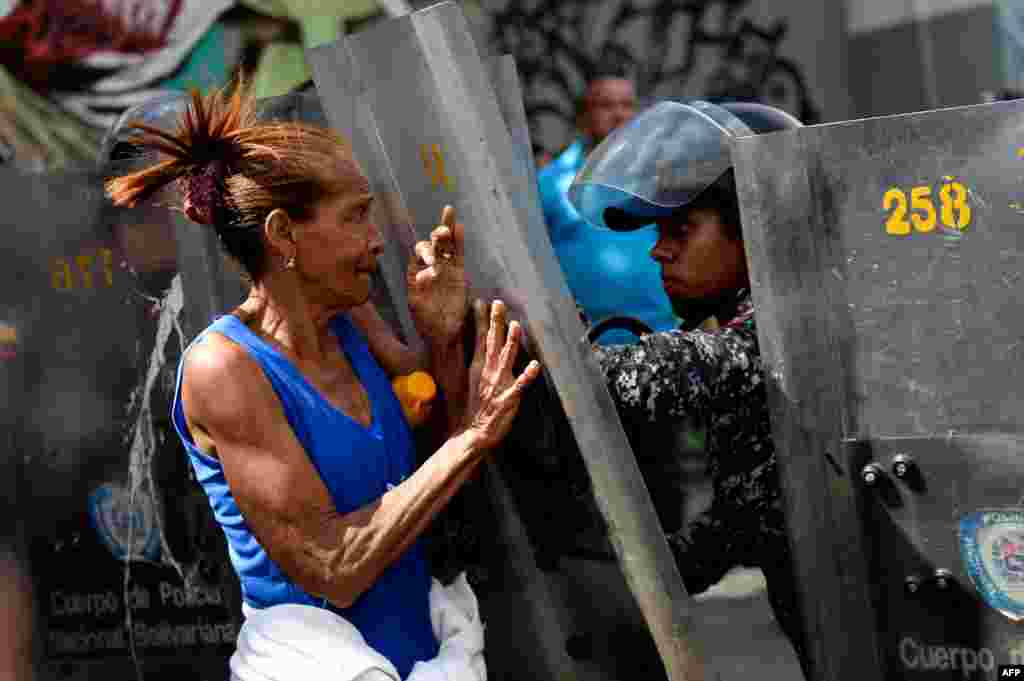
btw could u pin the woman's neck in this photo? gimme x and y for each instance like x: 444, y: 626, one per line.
x: 279, y: 311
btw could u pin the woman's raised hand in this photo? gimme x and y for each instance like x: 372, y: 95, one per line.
x: 436, y: 279
x: 495, y: 392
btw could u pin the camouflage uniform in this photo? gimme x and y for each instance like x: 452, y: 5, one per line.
x: 714, y: 378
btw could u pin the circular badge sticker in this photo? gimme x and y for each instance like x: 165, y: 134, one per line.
x: 126, y: 525
x: 992, y: 549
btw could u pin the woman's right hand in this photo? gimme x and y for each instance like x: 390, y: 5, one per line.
x: 495, y: 392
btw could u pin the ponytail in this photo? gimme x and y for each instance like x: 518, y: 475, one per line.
x: 231, y: 170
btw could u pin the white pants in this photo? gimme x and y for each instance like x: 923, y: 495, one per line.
x: 306, y: 643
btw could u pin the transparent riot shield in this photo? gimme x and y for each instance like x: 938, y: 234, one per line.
x: 886, y: 258
x: 128, y: 568
x: 525, y: 597
x: 429, y: 132
x: 573, y: 570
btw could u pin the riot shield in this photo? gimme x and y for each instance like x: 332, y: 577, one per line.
x: 429, y: 132
x: 886, y: 260
x: 542, y: 652
x: 544, y: 655
x: 129, y: 570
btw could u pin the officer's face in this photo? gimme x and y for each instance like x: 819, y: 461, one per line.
x: 698, y: 257
x: 611, y: 102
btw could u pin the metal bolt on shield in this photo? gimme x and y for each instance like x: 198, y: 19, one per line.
x: 902, y: 465
x: 943, y: 578
x: 871, y: 474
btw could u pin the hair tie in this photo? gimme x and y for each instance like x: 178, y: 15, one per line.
x: 206, y: 193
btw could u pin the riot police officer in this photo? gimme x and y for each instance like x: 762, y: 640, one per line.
x: 671, y: 166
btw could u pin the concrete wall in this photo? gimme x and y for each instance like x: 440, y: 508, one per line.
x: 790, y: 53
x: 823, y: 61
x: 938, y: 54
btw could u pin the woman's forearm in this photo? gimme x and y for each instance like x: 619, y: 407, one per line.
x: 367, y: 541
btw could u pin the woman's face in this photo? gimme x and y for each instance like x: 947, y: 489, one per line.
x: 336, y: 251
x: 698, y: 258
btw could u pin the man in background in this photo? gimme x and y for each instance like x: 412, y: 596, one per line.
x: 610, y: 274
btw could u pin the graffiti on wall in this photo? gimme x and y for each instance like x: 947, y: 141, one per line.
x: 707, y: 48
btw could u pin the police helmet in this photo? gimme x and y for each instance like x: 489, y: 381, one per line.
x: 665, y: 158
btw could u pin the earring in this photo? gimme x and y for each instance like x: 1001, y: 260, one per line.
x: 290, y: 263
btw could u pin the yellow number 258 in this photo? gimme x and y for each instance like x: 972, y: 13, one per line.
x: 955, y: 211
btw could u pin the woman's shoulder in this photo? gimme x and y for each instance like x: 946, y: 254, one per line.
x: 215, y: 363
x: 216, y: 351
x: 221, y: 384
x: 218, y: 359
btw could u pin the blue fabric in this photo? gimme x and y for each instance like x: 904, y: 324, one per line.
x: 609, y: 273
x: 358, y: 465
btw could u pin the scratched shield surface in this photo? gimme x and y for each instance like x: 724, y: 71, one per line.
x: 886, y: 257
x: 129, y: 572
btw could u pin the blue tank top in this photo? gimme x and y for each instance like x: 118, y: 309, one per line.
x: 357, y: 465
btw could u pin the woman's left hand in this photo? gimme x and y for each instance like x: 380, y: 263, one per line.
x: 436, y: 278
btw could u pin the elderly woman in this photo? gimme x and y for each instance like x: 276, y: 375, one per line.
x: 285, y: 407
x: 671, y: 165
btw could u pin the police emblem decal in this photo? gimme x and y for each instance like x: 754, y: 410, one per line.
x: 126, y: 523
x: 992, y: 550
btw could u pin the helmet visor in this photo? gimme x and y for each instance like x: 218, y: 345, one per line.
x: 655, y: 164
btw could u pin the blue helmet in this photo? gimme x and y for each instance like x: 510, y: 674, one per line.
x: 665, y: 158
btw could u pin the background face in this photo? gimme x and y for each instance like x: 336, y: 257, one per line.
x: 610, y: 102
